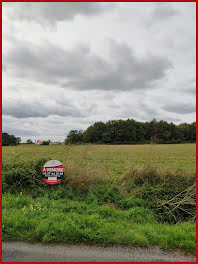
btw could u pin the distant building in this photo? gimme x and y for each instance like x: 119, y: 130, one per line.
x: 39, y: 142
x: 56, y: 143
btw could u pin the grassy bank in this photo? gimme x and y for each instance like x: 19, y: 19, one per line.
x: 146, y: 205
x: 65, y: 220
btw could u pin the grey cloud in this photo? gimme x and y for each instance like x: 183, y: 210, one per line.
x: 13, y: 127
x: 3, y: 67
x: 39, y: 128
x: 170, y: 119
x: 180, y: 108
x: 188, y: 86
x: 20, y: 131
x: 91, y: 81
x: 80, y: 69
x: 147, y: 112
x: 163, y: 11
x: 24, y: 109
x: 50, y: 13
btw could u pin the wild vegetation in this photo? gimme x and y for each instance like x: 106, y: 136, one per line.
x: 130, y: 195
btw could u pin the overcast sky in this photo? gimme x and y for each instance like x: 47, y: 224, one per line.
x: 67, y: 65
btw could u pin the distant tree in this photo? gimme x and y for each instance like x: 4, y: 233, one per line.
x: 94, y: 133
x: 140, y: 132
x: 45, y: 142
x: 9, y: 140
x: 18, y: 140
x: 192, y: 132
x: 74, y: 136
x: 29, y: 141
x: 106, y: 137
x: 131, y: 131
x: 88, y: 135
x: 153, y: 140
x: 187, y: 132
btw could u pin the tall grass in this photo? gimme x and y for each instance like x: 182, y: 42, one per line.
x: 157, y: 189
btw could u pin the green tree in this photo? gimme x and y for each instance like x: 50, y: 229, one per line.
x: 9, y: 140
x: 46, y: 142
x: 131, y: 131
x: 74, y: 136
x: 106, y: 137
x: 18, y: 140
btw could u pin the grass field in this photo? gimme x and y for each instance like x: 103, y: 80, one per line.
x: 111, y: 194
x: 110, y: 159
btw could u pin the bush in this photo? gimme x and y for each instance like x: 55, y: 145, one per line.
x: 158, y: 190
x: 19, y: 176
x: 145, y: 187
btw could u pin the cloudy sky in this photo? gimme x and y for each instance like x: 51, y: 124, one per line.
x: 67, y: 65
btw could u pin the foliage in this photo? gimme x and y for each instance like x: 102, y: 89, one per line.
x: 140, y: 186
x: 47, y: 142
x: 48, y: 220
x: 29, y: 141
x: 10, y: 140
x: 74, y: 137
x: 19, y: 175
x: 132, y: 132
x: 18, y: 139
x: 167, y: 193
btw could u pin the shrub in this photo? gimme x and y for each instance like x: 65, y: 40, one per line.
x: 19, y: 176
x: 157, y: 189
x: 146, y: 187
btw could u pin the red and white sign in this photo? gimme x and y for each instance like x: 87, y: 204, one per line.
x: 53, y: 172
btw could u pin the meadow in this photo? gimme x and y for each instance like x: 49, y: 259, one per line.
x: 110, y: 159
x: 111, y: 194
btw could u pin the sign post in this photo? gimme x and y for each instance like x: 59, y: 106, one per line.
x: 53, y: 172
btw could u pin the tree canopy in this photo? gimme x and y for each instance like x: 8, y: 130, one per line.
x: 10, y: 140
x: 47, y: 142
x: 131, y: 131
x: 29, y: 141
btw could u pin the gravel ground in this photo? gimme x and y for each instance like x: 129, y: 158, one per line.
x: 21, y: 252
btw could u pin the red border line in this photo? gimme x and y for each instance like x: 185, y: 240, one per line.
x: 144, y: 1
x: 1, y: 139
x: 196, y: 137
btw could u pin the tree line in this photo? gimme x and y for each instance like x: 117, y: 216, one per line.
x: 134, y: 132
x: 127, y: 131
x: 10, y: 140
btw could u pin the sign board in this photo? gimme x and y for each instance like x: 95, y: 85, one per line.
x: 53, y: 172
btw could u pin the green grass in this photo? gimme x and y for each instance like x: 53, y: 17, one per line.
x: 110, y: 159
x: 109, y: 195
x: 49, y: 220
